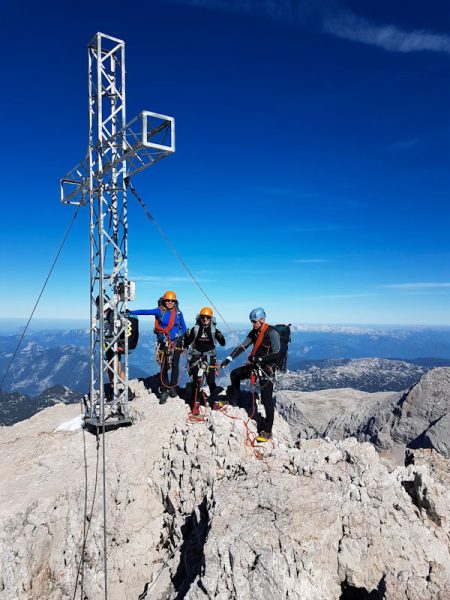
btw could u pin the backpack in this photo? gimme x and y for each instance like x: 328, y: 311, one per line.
x: 132, y: 331
x: 193, y: 352
x: 197, y: 327
x: 285, y: 337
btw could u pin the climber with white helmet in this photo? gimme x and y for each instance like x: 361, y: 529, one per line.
x: 261, y: 360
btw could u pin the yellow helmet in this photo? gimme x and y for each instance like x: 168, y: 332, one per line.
x: 170, y: 296
x: 206, y: 312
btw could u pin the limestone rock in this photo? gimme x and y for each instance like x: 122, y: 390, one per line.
x: 195, y: 512
x: 320, y: 520
x: 418, y: 417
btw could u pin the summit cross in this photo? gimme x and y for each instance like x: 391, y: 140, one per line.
x: 117, y: 150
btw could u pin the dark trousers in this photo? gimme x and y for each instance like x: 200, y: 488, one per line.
x: 266, y: 392
x: 173, y: 363
x: 194, y: 366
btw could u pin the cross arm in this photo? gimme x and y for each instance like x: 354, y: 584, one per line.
x: 146, y: 139
x: 75, y: 185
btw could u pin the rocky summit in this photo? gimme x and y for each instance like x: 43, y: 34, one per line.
x: 193, y: 511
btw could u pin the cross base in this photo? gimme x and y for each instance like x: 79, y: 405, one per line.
x: 93, y: 425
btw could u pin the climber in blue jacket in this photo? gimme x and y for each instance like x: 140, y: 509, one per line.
x: 170, y: 328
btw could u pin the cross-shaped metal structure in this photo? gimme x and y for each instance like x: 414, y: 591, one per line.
x: 117, y: 151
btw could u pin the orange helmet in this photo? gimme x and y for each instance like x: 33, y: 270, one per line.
x: 170, y: 296
x: 206, y: 312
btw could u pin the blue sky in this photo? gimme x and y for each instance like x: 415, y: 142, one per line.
x: 312, y: 168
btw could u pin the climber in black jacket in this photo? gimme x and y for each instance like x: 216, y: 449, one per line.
x: 202, y: 338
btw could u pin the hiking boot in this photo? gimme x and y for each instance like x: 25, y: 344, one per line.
x: 264, y: 436
x: 217, y: 405
x: 163, y: 397
x: 173, y: 392
x: 196, y: 408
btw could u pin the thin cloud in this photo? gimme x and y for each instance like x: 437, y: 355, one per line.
x: 318, y: 228
x: 347, y: 25
x: 283, y: 10
x: 338, y: 296
x: 422, y: 285
x: 335, y: 19
x: 283, y: 191
x: 162, y: 279
x: 274, y: 191
x: 310, y: 261
x: 404, y: 144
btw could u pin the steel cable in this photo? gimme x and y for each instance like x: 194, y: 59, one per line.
x: 194, y: 279
x: 39, y: 297
x: 176, y: 253
x: 80, y: 568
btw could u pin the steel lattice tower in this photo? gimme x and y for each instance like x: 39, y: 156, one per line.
x: 116, y: 152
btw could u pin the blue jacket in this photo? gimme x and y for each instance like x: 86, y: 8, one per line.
x: 163, y: 318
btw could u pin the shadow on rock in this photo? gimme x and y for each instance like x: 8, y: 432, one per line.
x: 192, y: 558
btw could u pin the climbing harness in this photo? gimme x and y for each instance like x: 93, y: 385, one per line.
x: 166, y: 354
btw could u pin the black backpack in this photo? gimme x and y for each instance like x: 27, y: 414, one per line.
x: 132, y: 331
x: 285, y: 337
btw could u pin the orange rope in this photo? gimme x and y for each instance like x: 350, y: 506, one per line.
x: 250, y: 437
x: 180, y: 377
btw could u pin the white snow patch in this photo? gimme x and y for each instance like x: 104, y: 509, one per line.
x: 72, y: 425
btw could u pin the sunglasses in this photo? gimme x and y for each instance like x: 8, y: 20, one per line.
x: 205, y: 317
x: 169, y: 300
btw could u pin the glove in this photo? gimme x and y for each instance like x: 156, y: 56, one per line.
x: 225, y: 362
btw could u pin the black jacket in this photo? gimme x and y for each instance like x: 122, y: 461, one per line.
x: 268, y: 349
x: 204, y: 341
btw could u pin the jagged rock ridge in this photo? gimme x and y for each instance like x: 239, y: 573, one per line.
x: 418, y: 418
x: 191, y: 513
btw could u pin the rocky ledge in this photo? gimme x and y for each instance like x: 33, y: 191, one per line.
x: 193, y: 513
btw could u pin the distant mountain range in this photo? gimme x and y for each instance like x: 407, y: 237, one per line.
x: 366, y: 374
x: 327, y: 342
x: 51, y: 357
x: 39, y: 364
x: 17, y: 407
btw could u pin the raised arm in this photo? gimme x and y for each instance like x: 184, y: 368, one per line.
x: 147, y: 311
x: 238, y: 350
